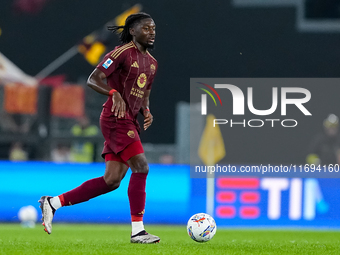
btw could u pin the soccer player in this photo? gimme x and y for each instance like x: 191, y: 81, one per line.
x: 125, y: 76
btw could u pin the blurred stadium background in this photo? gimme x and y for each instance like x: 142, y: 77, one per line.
x: 49, y: 47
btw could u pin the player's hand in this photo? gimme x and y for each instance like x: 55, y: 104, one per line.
x: 118, y: 105
x: 148, y: 119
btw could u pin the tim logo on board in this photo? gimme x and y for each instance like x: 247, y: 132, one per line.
x: 244, y: 198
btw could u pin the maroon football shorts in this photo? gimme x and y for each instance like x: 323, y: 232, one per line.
x: 121, y: 139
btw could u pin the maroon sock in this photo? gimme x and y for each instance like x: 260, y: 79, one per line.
x: 89, y: 189
x: 137, y: 195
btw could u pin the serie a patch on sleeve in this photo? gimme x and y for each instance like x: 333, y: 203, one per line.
x: 107, y: 63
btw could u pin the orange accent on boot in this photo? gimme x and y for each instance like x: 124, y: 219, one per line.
x: 62, y: 200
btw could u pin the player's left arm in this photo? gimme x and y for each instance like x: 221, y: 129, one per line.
x: 145, y: 110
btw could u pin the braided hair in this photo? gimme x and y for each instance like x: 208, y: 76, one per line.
x: 131, y: 20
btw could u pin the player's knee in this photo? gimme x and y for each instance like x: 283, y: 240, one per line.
x: 144, y: 169
x: 113, y: 183
x: 141, y: 167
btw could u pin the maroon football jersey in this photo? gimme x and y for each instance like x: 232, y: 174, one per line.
x: 131, y: 73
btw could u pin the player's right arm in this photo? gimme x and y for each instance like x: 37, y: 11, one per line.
x: 97, y: 81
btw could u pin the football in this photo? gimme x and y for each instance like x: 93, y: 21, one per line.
x: 28, y: 216
x: 201, y: 227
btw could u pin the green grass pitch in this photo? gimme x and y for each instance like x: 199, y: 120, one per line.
x: 114, y: 239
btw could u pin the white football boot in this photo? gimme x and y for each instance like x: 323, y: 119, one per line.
x: 47, y: 213
x: 144, y: 237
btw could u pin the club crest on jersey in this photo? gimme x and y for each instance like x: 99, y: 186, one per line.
x: 153, y: 68
x: 141, y: 81
x: 131, y: 134
x: 107, y: 63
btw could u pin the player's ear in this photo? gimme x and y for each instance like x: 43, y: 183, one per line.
x: 132, y: 31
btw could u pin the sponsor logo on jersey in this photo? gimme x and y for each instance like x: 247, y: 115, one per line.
x: 107, y: 63
x: 135, y: 64
x: 141, y: 81
x: 131, y: 134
